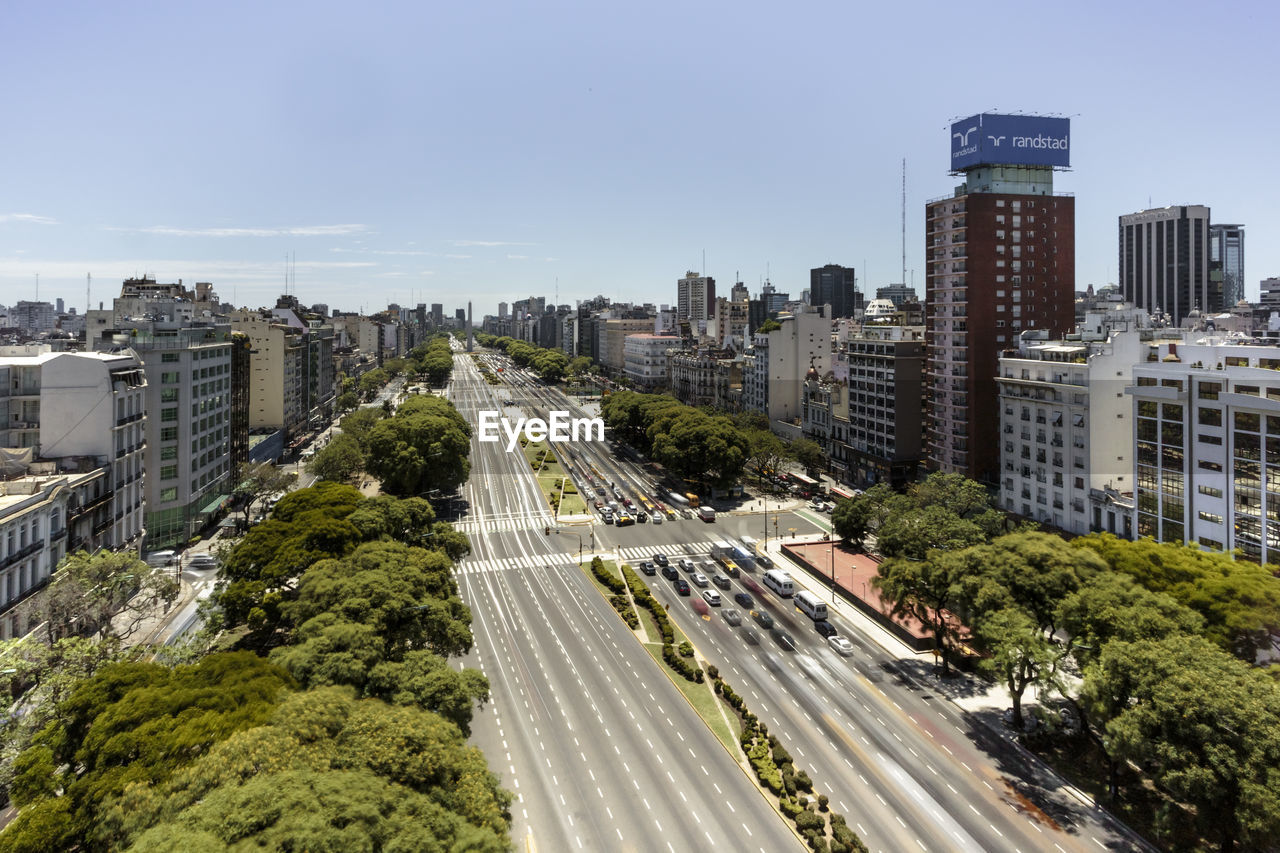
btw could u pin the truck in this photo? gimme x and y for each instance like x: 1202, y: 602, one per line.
x: 706, y: 513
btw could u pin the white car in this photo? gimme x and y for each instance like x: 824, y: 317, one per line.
x: 686, y: 565
x: 700, y: 579
x: 202, y: 561
x: 840, y: 644
x: 710, y: 596
x: 657, y: 518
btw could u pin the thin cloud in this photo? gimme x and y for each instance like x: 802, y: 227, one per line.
x: 32, y: 218
x: 458, y: 257
x: 381, y: 252
x: 294, y: 231
x: 517, y: 257
x: 488, y: 243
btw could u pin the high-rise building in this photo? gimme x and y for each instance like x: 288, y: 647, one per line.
x: 437, y: 314
x: 773, y: 299
x: 836, y: 286
x: 695, y: 297
x: 503, y: 311
x: 1269, y: 292
x: 1000, y: 256
x: 776, y: 364
x: 1164, y: 261
x: 897, y: 294
x: 1226, y: 259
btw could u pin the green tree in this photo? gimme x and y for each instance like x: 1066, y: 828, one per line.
x: 765, y: 452
x: 851, y: 520
x: 347, y: 401
x: 580, y: 365
x: 360, y: 423
x: 702, y: 448
x: 423, y: 448
x: 1239, y: 600
x: 327, y: 772
x: 105, y: 593
x: 340, y: 460
x: 808, y: 453
x: 372, y: 381
x: 769, y: 325
x: 258, y: 481
x: 926, y: 591
x: 1205, y: 725
x: 1020, y: 654
x: 914, y: 533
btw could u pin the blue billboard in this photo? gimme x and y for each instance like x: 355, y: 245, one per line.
x: 994, y: 139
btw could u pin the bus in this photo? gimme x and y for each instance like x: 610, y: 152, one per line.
x: 692, y: 498
x: 810, y: 605
x: 780, y: 582
x: 808, y: 485
x: 838, y: 493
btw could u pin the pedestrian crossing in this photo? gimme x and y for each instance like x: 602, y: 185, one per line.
x: 696, y: 549
x: 500, y: 524
x: 510, y: 564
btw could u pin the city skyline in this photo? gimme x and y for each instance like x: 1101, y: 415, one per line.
x: 406, y: 157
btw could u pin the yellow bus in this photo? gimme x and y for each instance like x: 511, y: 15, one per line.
x: 692, y: 498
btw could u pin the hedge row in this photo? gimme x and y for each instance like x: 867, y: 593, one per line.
x: 691, y: 671
x: 607, y: 577
x: 623, y: 605
x: 645, y: 599
x: 775, y: 769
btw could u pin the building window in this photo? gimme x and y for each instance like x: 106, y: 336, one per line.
x: 170, y: 494
x: 168, y: 357
x: 169, y: 472
x: 168, y: 395
x: 1210, y: 491
x: 169, y: 378
x: 169, y: 415
x: 170, y: 452
x: 169, y: 434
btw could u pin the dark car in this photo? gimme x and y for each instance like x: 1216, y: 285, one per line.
x: 670, y: 573
x: 826, y: 629
x: 647, y: 568
x: 720, y: 581
x: 745, y: 601
x: 732, y: 616
x: 682, y: 586
x: 661, y: 559
x: 752, y: 638
x: 783, y: 639
x: 764, y: 620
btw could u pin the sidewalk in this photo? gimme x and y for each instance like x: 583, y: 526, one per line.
x: 964, y: 690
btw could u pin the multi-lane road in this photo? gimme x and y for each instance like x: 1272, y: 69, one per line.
x: 601, y: 748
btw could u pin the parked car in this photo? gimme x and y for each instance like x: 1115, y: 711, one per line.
x: 763, y: 619
x: 647, y: 568
x: 682, y: 586
x: 840, y: 644
x: 745, y: 601
x: 720, y: 581
x: 825, y: 628
x: 733, y: 617
x: 661, y: 559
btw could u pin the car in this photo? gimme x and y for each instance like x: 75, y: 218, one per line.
x: 624, y: 519
x: 783, y: 639
x: 750, y: 583
x: 627, y: 503
x: 746, y: 601
x: 657, y: 518
x: 710, y: 596
x: 686, y: 565
x: 600, y: 491
x: 720, y: 581
x: 599, y: 503
x: 817, y: 506
x: 840, y: 644
x: 824, y: 628
x: 763, y: 619
x: 733, y: 617
x: 661, y: 559
x: 699, y: 578
x: 647, y: 568
x: 752, y: 638
x: 608, y: 517
x: 642, y: 516
x: 202, y: 561
x: 669, y: 572
x: 682, y: 586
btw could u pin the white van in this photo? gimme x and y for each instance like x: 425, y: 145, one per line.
x: 780, y: 582
x: 160, y: 559
x: 810, y: 605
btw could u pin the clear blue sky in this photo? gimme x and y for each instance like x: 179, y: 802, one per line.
x: 437, y: 152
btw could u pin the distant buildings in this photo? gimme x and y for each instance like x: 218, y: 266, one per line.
x: 695, y: 296
x: 645, y: 359
x: 1164, y: 261
x: 775, y: 365
x: 836, y: 286
x: 1226, y: 261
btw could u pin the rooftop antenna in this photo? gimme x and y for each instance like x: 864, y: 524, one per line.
x: 704, y: 262
x: 88, y: 284
x: 37, y: 287
x: 904, y: 220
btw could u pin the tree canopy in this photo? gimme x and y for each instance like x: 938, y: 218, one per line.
x: 339, y: 461
x: 422, y: 449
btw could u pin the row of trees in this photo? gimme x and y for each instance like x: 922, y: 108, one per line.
x: 421, y: 449
x: 1150, y: 645
x: 349, y: 734
x: 689, y: 442
x: 551, y: 365
x: 433, y: 360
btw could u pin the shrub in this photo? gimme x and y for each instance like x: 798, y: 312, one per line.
x: 686, y: 649
x: 714, y: 673
x: 823, y: 801
x: 803, y: 782
x: 780, y: 754
x: 790, y: 807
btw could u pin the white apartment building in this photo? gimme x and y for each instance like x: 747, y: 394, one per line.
x: 775, y: 366
x: 71, y: 442
x: 1207, y: 446
x: 1066, y: 423
x: 645, y: 359
x: 695, y: 298
x: 276, y: 373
